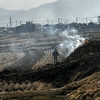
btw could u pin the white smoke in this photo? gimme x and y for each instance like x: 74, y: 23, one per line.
x: 71, y: 41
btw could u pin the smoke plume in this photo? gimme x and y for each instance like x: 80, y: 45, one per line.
x: 71, y: 41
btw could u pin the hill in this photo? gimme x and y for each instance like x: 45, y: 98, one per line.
x: 65, y: 9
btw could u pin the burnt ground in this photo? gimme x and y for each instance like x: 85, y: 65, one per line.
x: 77, y: 77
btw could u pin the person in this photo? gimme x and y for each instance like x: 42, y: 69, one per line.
x: 55, y: 54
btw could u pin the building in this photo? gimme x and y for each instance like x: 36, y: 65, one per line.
x: 2, y: 29
x: 28, y: 27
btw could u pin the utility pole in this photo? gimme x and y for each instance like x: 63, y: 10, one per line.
x: 7, y: 25
x: 20, y: 22
x: 59, y: 20
x: 10, y: 22
x: 86, y: 20
x: 76, y: 20
x: 16, y: 22
x: 47, y: 21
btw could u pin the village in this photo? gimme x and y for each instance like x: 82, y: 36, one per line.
x: 30, y: 26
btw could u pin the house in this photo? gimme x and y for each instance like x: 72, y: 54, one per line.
x: 2, y: 29
x: 28, y: 27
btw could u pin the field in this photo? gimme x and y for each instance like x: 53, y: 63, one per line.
x: 25, y: 53
x: 27, y: 50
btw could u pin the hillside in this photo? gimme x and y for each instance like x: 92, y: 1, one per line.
x: 76, y: 78
x: 5, y: 15
x: 68, y: 10
x: 4, y: 12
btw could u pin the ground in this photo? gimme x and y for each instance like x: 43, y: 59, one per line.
x: 74, y: 78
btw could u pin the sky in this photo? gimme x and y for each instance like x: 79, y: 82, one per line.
x: 22, y: 4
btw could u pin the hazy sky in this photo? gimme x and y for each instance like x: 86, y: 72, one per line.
x: 22, y: 4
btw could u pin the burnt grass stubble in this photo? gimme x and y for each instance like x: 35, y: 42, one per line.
x: 83, y: 62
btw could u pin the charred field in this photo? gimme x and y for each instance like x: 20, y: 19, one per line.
x: 75, y: 78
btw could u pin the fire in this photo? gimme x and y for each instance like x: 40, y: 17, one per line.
x: 86, y: 41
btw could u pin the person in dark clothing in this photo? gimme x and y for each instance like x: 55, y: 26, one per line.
x: 55, y: 54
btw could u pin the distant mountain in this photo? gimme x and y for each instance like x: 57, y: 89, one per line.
x: 4, y: 12
x: 65, y: 9
x: 5, y: 15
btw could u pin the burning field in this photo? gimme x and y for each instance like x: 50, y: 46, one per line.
x: 32, y: 50
x: 28, y: 71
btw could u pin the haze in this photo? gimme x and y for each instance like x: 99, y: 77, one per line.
x: 22, y: 4
x: 68, y: 10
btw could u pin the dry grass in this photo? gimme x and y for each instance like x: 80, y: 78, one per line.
x: 86, y: 89
x: 36, y: 86
x: 11, y: 90
x: 47, y: 59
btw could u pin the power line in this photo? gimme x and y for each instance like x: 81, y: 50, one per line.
x: 69, y: 20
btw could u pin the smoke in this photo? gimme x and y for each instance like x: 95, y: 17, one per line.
x: 30, y: 47
x: 71, y: 41
x: 68, y: 40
